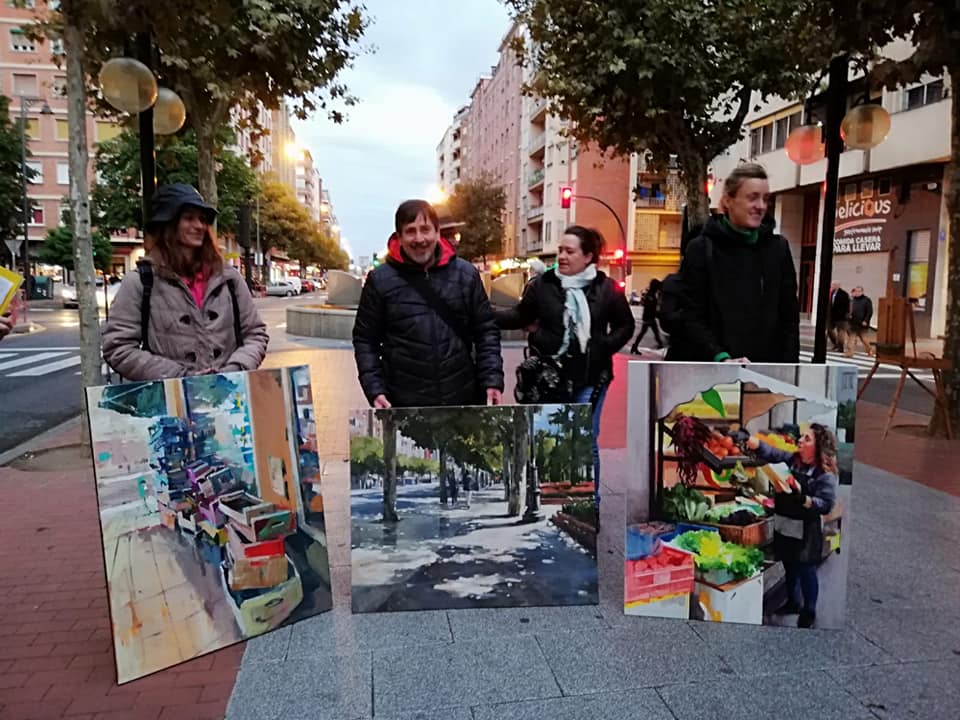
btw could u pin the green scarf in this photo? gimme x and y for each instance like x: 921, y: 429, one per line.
x: 750, y: 237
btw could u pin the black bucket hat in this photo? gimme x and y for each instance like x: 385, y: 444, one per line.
x: 170, y: 200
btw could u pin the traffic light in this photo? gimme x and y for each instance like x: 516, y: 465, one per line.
x: 566, y: 197
x: 618, y: 255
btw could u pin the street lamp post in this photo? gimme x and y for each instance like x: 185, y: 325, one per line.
x: 25, y: 103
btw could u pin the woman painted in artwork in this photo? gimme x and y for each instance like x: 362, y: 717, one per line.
x: 798, y: 515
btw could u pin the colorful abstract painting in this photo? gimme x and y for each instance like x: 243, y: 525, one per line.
x: 211, y: 511
x: 462, y: 507
x: 738, y: 508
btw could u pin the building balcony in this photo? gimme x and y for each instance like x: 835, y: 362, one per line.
x: 537, y: 145
x: 535, y: 179
x: 535, y: 214
x: 538, y: 111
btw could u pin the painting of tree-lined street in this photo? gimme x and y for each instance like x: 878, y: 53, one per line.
x: 461, y: 507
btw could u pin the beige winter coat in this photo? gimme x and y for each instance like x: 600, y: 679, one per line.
x: 183, y: 339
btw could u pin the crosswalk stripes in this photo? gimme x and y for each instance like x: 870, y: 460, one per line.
x: 35, y: 362
x: 864, y: 362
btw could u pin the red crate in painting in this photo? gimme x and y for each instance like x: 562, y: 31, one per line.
x: 670, y: 572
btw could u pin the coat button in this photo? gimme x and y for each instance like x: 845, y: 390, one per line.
x: 217, y: 352
x: 185, y: 319
x: 213, y: 314
x: 191, y: 357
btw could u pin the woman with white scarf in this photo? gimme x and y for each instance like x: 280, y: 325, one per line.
x: 579, y: 318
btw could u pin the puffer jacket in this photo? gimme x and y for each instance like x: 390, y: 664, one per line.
x: 738, y: 299
x: 611, y: 324
x: 183, y: 339
x: 404, y: 349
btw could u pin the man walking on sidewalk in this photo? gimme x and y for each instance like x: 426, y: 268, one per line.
x: 861, y: 312
x: 425, y: 333
x: 839, y: 325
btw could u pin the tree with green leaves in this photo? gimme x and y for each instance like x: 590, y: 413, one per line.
x: 57, y: 248
x: 11, y: 177
x: 479, y: 203
x: 116, y: 195
x: 223, y: 56
x: 669, y: 77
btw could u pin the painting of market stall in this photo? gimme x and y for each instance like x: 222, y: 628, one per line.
x: 211, y: 512
x: 467, y: 507
x: 739, y: 499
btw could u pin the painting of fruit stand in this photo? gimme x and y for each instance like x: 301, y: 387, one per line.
x: 463, y: 507
x: 211, y: 512
x: 736, y: 510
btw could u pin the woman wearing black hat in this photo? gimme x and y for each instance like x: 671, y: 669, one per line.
x: 183, y: 312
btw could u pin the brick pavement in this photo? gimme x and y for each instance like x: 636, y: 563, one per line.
x: 56, y: 659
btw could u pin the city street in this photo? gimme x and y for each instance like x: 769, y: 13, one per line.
x: 40, y: 372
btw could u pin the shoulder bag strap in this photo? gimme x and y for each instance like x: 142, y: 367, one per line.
x: 237, y: 332
x: 146, y: 280
x: 422, y: 285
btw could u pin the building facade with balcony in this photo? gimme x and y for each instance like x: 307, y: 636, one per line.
x: 450, y: 152
x: 891, y: 218
x: 30, y: 76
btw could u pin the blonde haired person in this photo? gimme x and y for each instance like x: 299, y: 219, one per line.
x: 184, y: 312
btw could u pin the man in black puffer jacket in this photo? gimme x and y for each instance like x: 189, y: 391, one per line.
x: 738, y: 286
x: 425, y: 333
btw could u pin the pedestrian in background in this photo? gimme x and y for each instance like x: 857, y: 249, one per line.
x: 425, y: 333
x: 735, y: 296
x: 861, y: 312
x: 6, y: 325
x: 839, y: 325
x: 649, y: 302
x: 184, y: 312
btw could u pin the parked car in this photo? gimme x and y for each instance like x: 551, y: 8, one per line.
x: 309, y: 286
x: 634, y: 297
x: 68, y: 295
x: 282, y: 288
x: 296, y: 282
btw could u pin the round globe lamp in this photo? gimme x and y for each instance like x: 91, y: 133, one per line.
x: 805, y: 145
x: 169, y: 113
x: 865, y: 126
x: 128, y: 85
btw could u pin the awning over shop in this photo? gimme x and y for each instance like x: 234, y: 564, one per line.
x: 680, y: 384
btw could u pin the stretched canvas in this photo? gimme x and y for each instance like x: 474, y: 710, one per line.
x: 462, y: 507
x: 726, y: 519
x: 211, y: 512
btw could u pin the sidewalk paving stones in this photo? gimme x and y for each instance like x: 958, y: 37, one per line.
x: 788, y: 697
x: 492, y: 622
x: 363, y: 633
x: 481, y: 671
x: 911, y: 690
x: 649, y: 653
x: 644, y: 704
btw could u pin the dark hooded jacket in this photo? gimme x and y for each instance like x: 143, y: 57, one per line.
x: 611, y: 324
x: 739, y: 298
x: 407, y: 352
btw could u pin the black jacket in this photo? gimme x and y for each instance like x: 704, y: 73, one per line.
x: 406, y: 351
x: 742, y: 302
x: 839, y: 306
x: 861, y: 311
x: 611, y: 324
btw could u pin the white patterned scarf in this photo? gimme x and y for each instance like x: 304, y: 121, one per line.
x: 576, y: 312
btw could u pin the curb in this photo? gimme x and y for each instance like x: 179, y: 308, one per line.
x: 40, y: 442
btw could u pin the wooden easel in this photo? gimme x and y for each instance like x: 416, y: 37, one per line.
x: 894, y: 317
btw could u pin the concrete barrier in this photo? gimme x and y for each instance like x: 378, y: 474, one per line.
x: 318, y: 321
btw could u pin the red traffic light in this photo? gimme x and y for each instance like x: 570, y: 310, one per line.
x: 618, y: 254
x: 622, y: 285
x: 566, y: 196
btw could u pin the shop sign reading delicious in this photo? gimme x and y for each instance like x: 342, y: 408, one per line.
x: 860, y: 225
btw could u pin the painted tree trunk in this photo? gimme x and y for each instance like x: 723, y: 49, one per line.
x: 442, y: 455
x: 519, y: 457
x: 507, y: 465
x: 78, y: 160
x: 390, y: 470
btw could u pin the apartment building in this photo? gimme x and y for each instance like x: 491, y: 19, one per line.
x: 490, y: 141
x: 36, y: 87
x: 308, y: 184
x: 450, y: 151
x: 891, y: 217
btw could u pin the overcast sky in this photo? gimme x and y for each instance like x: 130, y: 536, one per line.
x: 428, y: 56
